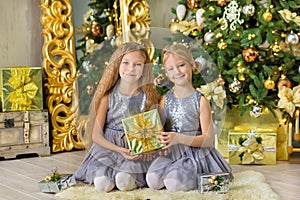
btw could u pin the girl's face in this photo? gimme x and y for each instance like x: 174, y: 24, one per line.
x: 179, y: 70
x: 132, y: 66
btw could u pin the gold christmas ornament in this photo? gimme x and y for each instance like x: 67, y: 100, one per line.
x: 249, y: 55
x: 222, y: 45
x: 267, y: 16
x: 97, y: 29
x: 89, y: 89
x: 276, y: 48
x: 269, y: 84
x: 221, y: 2
x: 193, y: 4
x: 174, y: 27
x: 220, y: 81
x: 242, y: 77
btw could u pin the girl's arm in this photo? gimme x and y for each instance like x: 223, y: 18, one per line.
x: 204, y: 140
x: 97, y: 134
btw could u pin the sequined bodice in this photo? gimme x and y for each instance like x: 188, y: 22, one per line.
x: 182, y: 114
x: 121, y: 106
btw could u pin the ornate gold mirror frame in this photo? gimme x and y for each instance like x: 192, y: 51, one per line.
x: 59, y: 64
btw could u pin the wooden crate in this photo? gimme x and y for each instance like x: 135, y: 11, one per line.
x: 24, y: 132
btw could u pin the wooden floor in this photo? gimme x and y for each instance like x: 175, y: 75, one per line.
x: 19, y: 177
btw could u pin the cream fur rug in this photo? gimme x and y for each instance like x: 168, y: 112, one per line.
x: 246, y: 185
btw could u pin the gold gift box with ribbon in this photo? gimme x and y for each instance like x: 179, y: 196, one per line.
x: 21, y: 88
x: 252, y: 147
x: 141, y: 131
x: 265, y: 123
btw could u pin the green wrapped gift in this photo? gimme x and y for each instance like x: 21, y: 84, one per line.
x: 252, y: 147
x: 21, y: 88
x: 141, y: 131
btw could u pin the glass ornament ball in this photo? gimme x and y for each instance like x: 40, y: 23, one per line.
x: 193, y: 4
x: 208, y: 37
x: 249, y: 9
x: 256, y: 111
x: 97, y: 29
x: 283, y: 81
x: 235, y: 86
x: 292, y: 38
x: 249, y: 55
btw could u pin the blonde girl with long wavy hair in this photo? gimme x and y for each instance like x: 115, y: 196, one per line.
x: 125, y: 88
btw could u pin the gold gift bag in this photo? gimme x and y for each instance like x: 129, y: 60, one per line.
x: 141, y: 131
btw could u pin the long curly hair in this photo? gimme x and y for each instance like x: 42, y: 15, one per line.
x: 111, y: 76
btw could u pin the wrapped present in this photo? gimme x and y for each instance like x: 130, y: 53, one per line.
x: 21, y: 88
x: 141, y: 131
x: 213, y: 183
x: 56, y: 182
x: 267, y: 122
x: 252, y: 147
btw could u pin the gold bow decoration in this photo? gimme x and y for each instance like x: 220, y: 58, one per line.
x: 54, y: 176
x: 288, y: 16
x: 289, y: 99
x: 142, y: 137
x: 251, y: 152
x: 24, y: 89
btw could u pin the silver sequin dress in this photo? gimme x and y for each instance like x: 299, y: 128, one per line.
x: 185, y: 162
x: 100, y: 161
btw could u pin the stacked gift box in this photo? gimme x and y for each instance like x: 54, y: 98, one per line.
x: 24, y: 124
x: 238, y: 125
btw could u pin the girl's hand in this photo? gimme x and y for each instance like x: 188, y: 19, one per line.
x: 149, y: 156
x: 126, y: 154
x: 168, y: 138
x: 164, y: 151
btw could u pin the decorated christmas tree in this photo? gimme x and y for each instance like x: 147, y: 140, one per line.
x: 100, y: 34
x: 255, y: 45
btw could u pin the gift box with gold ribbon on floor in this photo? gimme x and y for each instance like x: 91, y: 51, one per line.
x: 265, y: 123
x: 21, y: 88
x: 252, y: 147
x: 141, y: 131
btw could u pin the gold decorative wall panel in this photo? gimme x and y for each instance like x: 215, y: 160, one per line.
x: 59, y: 65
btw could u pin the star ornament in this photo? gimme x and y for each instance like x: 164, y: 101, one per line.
x: 289, y: 99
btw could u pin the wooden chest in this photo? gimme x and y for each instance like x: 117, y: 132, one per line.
x: 24, y: 132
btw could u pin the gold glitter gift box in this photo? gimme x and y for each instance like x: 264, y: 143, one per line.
x: 21, y: 88
x: 252, y: 147
x: 141, y: 131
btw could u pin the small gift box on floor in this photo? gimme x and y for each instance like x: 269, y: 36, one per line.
x: 21, y: 88
x: 141, y: 131
x: 217, y: 183
x: 56, y: 182
x: 252, y: 147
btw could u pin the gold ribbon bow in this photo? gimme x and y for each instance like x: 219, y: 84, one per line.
x: 145, y: 133
x: 288, y: 16
x: 252, y: 152
x: 24, y: 89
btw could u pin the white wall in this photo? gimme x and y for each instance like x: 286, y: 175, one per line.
x: 20, y: 33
